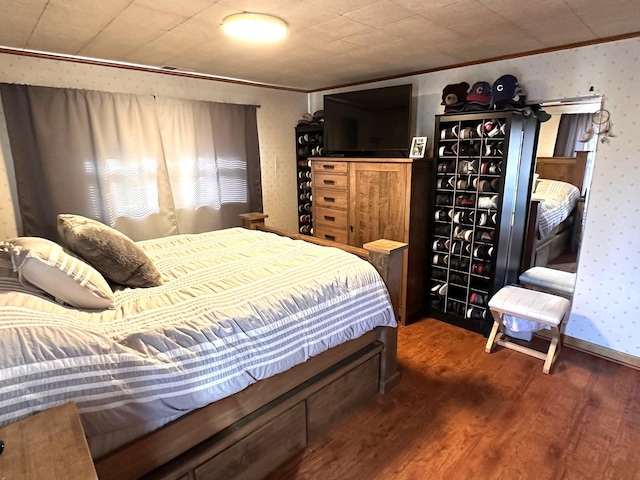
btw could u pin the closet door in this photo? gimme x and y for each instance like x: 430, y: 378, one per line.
x: 378, y: 201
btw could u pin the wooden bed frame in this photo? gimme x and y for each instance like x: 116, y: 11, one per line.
x: 564, y: 169
x: 249, y: 434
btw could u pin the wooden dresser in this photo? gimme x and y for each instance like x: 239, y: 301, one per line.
x: 49, y: 444
x: 358, y: 200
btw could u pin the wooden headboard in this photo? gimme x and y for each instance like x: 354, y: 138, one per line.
x: 564, y: 169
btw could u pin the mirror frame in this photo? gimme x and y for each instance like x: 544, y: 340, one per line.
x: 587, y: 104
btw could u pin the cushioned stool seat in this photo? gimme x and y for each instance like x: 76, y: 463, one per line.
x: 544, y: 308
x: 549, y: 280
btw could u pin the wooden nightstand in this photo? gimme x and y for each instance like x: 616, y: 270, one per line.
x: 47, y: 445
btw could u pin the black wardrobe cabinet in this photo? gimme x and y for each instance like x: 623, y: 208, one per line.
x: 483, y: 165
x: 309, y: 143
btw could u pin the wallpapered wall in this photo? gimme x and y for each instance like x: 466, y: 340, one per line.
x: 277, y: 117
x: 606, y: 310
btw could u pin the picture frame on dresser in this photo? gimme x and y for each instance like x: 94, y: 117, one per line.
x: 418, y: 147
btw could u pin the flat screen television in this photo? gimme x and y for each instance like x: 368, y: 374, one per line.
x: 374, y: 122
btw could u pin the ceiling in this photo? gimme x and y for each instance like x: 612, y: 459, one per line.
x: 331, y: 42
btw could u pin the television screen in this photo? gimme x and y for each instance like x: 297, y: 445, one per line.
x: 368, y: 122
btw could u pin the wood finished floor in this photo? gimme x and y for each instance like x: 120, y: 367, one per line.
x: 460, y: 413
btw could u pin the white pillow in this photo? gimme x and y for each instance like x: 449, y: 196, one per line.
x: 45, y: 264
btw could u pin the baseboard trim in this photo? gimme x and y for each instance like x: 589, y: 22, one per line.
x: 597, y: 350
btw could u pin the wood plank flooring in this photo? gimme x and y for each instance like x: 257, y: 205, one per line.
x: 460, y: 413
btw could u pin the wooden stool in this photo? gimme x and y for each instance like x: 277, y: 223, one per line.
x: 549, y: 280
x: 543, y: 308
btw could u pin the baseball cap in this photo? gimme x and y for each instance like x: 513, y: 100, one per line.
x: 479, y: 97
x: 506, y: 91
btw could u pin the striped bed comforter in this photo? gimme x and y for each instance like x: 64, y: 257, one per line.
x: 236, y: 306
x: 557, y: 201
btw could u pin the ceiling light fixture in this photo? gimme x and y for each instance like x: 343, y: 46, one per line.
x: 255, y: 27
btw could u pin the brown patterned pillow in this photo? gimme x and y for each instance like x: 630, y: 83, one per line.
x: 109, y: 251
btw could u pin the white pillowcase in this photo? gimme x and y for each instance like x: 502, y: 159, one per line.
x: 44, y: 264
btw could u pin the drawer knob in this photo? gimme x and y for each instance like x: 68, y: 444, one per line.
x: 328, y: 167
x: 329, y: 237
x: 329, y: 182
x: 329, y: 199
x: 329, y: 218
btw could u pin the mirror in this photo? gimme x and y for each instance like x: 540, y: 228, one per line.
x: 560, y: 189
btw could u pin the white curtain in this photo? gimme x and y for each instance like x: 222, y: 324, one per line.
x: 148, y: 166
x: 571, y: 129
x: 128, y: 166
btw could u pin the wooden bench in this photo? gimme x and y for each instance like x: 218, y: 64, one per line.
x: 543, y: 308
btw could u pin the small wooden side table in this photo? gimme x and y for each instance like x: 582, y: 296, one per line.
x: 47, y: 445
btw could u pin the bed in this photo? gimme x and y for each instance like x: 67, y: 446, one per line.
x: 252, y: 340
x: 555, y: 216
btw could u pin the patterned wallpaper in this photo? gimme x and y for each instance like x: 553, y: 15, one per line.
x: 606, y: 310
x: 277, y: 117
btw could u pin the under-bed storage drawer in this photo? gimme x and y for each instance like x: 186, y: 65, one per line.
x: 335, y: 400
x: 255, y: 445
x: 262, y: 451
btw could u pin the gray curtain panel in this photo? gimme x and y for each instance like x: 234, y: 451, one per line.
x: 118, y: 158
x: 570, y: 130
x: 37, y: 177
x: 236, y: 140
x: 254, y: 178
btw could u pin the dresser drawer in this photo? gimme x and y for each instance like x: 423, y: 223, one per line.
x: 329, y: 180
x: 329, y: 166
x: 330, y: 217
x: 325, y: 197
x: 339, y: 235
